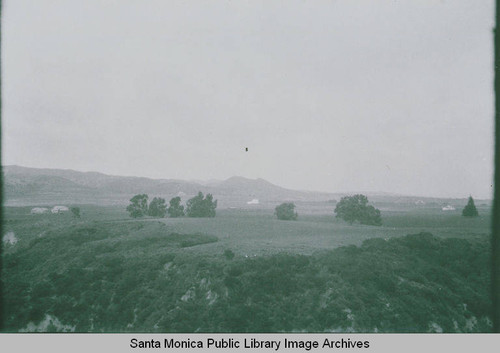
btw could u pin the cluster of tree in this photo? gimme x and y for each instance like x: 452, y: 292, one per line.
x: 470, y: 209
x: 198, y: 206
x: 356, y: 208
x: 139, y: 206
x: 350, y: 208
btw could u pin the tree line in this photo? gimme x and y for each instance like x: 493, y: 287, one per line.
x: 350, y: 208
x: 198, y: 206
x: 356, y: 209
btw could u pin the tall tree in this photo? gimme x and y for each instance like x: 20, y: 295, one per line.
x: 138, y: 206
x: 470, y: 209
x: 175, y: 209
x: 157, y: 207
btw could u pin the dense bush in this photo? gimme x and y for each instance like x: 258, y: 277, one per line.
x: 356, y: 208
x: 228, y: 254
x: 75, y: 211
x: 114, y: 282
x: 286, y: 211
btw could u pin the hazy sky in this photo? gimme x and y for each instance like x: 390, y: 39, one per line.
x: 392, y: 96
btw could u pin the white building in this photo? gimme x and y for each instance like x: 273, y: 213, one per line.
x: 59, y: 209
x: 448, y: 208
x: 39, y: 210
x: 253, y: 202
x: 10, y: 238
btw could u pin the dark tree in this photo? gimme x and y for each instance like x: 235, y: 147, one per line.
x: 470, y: 209
x: 75, y: 211
x: 175, y: 209
x: 138, y: 206
x: 286, y: 211
x: 199, y: 206
x: 371, y: 215
x: 356, y: 208
x: 157, y: 207
x: 228, y: 254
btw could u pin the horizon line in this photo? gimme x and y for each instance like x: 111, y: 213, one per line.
x: 196, y: 180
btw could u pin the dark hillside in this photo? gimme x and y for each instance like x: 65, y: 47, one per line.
x: 125, y: 276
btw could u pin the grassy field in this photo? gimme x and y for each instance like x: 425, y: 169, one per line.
x: 107, y: 272
x: 257, y: 232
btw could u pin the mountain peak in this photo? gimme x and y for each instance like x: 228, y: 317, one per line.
x: 239, y: 180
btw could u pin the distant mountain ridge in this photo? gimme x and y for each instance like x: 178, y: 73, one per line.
x: 33, y: 186
x: 25, y: 186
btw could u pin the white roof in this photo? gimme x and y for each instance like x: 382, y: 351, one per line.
x: 39, y: 210
x: 57, y: 209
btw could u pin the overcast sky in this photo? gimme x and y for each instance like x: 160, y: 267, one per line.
x: 337, y: 96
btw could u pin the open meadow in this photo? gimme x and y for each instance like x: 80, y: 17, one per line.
x: 246, y: 271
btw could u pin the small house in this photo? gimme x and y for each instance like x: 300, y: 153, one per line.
x: 59, y: 209
x: 39, y: 210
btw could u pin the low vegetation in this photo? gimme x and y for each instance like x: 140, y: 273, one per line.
x: 122, y: 276
x: 243, y: 271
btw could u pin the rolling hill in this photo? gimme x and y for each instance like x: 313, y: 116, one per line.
x: 32, y: 186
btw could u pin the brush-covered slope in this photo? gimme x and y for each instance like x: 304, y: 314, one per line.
x: 138, y: 276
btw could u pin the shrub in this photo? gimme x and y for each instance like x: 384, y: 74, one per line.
x: 75, y: 211
x: 286, y: 212
x: 228, y: 254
